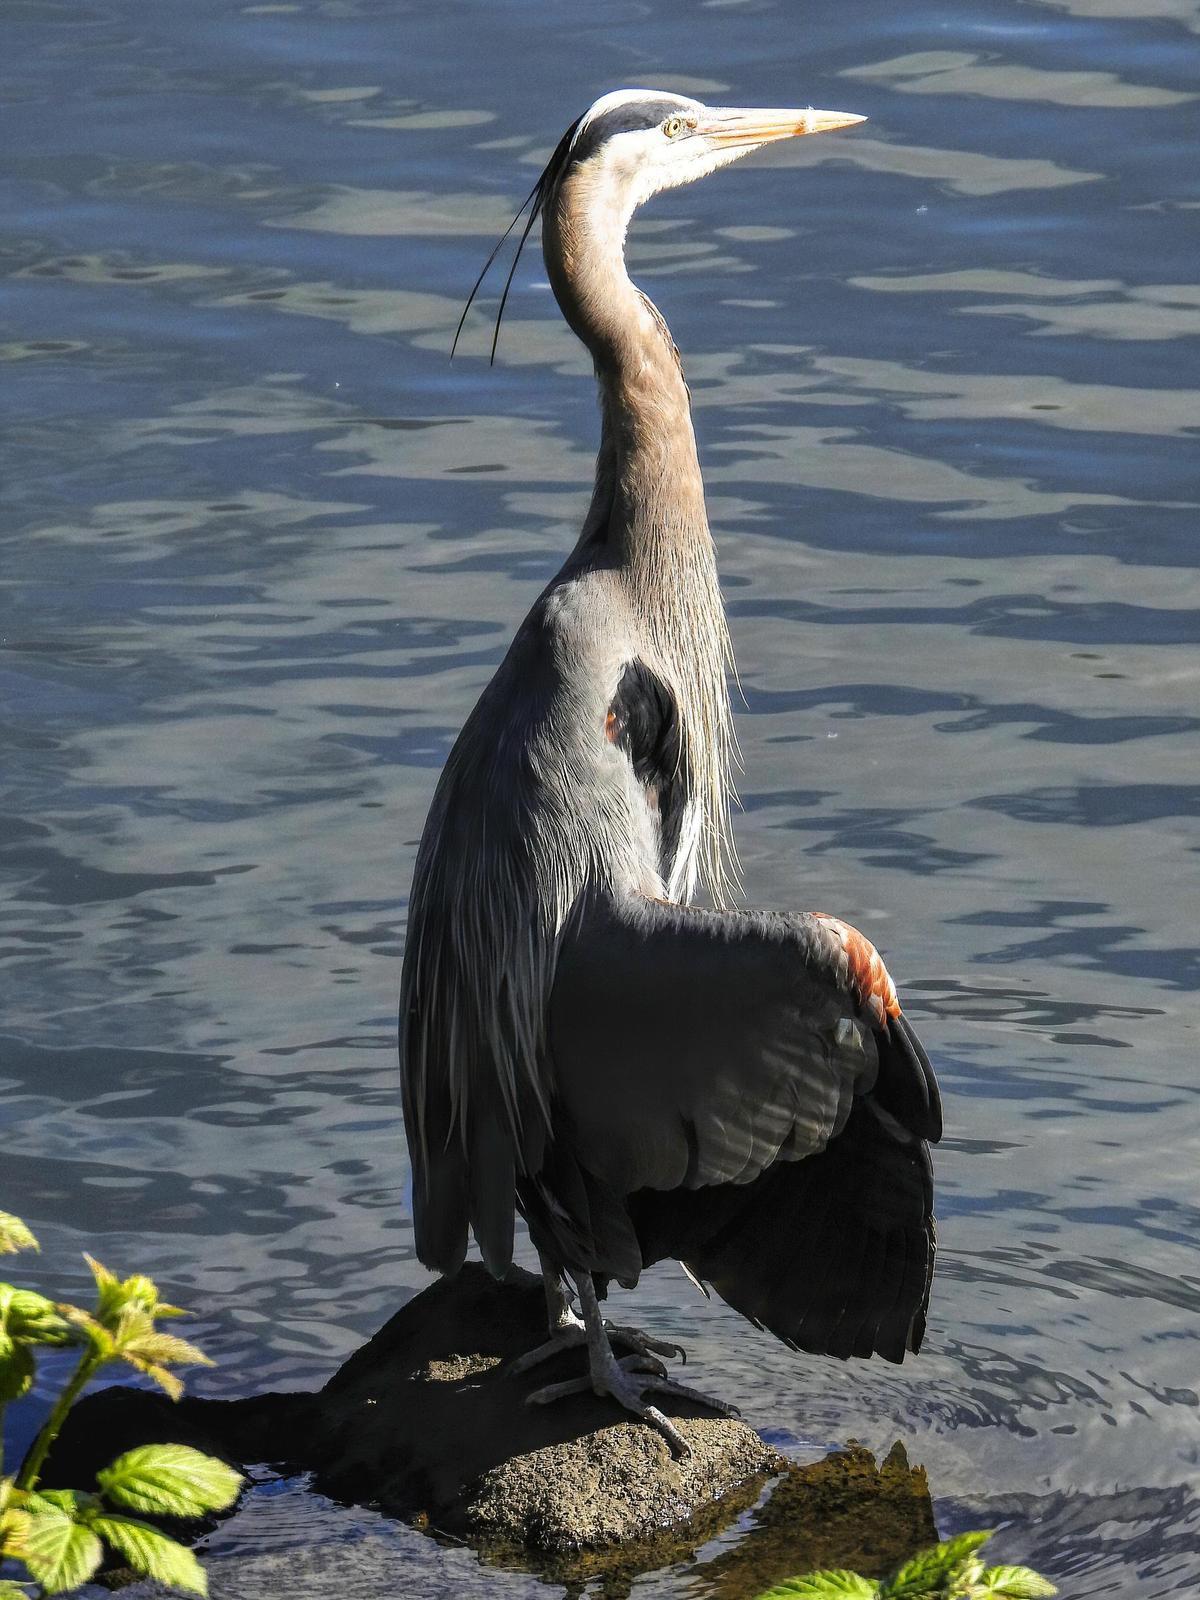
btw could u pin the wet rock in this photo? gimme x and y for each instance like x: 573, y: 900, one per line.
x: 427, y: 1422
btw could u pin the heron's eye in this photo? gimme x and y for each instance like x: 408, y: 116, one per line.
x: 673, y: 127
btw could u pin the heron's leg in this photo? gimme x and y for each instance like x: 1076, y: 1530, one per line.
x: 628, y: 1380
x: 567, y: 1331
x: 560, y: 1313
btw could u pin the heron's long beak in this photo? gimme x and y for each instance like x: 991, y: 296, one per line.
x: 723, y: 126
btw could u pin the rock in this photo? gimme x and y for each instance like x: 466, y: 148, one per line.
x: 427, y: 1422
x: 614, y: 1486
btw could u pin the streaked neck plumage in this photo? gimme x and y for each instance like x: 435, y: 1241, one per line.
x: 647, y: 519
x: 648, y: 467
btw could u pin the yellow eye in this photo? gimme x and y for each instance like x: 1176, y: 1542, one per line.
x: 673, y: 127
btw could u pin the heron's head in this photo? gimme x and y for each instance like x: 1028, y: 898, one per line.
x: 632, y: 144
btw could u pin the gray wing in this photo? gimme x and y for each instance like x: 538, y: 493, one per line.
x: 692, y: 1048
x: 740, y: 1091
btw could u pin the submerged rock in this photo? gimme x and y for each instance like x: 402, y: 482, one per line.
x: 428, y: 1422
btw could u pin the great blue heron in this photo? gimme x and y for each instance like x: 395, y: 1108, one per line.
x: 640, y: 1079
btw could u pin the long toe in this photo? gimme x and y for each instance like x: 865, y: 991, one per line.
x: 630, y: 1382
x: 550, y: 1392
x: 637, y: 1340
x: 664, y: 1385
x: 571, y: 1337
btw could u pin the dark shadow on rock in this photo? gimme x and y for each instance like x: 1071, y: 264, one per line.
x: 427, y: 1423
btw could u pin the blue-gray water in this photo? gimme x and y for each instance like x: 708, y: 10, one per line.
x: 262, y: 545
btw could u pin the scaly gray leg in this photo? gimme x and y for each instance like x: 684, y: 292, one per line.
x: 560, y: 1313
x: 567, y: 1331
x: 627, y: 1380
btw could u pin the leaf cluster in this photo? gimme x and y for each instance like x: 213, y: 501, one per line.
x: 949, y: 1571
x: 59, y: 1535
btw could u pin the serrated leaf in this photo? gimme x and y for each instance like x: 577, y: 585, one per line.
x: 161, y: 1350
x: 1014, y: 1583
x: 16, y: 1370
x: 836, y: 1584
x: 108, y: 1285
x: 96, y: 1334
x: 59, y: 1552
x: 170, y: 1480
x: 933, y: 1570
x: 40, y: 1501
x: 12, y: 1591
x: 139, y: 1290
x: 14, y: 1235
x: 153, y: 1553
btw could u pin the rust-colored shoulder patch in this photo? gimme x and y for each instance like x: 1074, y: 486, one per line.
x: 865, y: 970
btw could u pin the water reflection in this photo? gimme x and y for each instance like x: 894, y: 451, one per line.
x: 956, y: 72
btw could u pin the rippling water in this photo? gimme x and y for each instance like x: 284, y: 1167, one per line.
x: 262, y: 545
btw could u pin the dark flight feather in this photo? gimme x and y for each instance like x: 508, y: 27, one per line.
x: 779, y: 1155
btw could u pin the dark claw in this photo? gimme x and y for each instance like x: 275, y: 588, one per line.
x: 642, y: 1361
x: 636, y: 1340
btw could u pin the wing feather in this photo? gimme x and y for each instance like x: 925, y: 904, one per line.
x: 691, y: 1048
x: 745, y: 1089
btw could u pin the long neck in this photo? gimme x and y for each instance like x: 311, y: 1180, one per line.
x: 647, y: 513
x: 648, y: 484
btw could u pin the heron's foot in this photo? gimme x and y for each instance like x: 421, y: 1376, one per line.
x: 628, y: 1380
x: 572, y: 1335
x: 567, y: 1336
x: 642, y: 1344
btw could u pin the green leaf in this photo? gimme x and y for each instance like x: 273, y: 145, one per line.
x: 1019, y: 1583
x: 149, y: 1551
x: 836, y: 1584
x: 931, y: 1571
x: 50, y: 1500
x: 135, y: 1339
x: 88, y: 1331
x: 170, y: 1480
x: 31, y: 1317
x: 108, y: 1289
x: 161, y: 1349
x: 124, y: 1300
x: 14, y: 1235
x: 59, y: 1552
x: 12, y: 1591
x: 16, y: 1370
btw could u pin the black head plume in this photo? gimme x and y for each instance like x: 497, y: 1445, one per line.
x: 535, y: 199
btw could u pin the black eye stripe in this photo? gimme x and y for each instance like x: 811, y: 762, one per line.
x: 631, y: 117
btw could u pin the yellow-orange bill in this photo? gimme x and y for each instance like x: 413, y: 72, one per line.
x: 725, y: 126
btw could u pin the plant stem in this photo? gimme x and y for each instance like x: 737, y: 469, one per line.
x: 89, y: 1362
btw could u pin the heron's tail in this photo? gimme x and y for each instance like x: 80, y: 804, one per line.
x: 459, y: 1186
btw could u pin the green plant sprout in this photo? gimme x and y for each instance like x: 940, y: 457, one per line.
x: 57, y: 1536
x: 950, y: 1571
